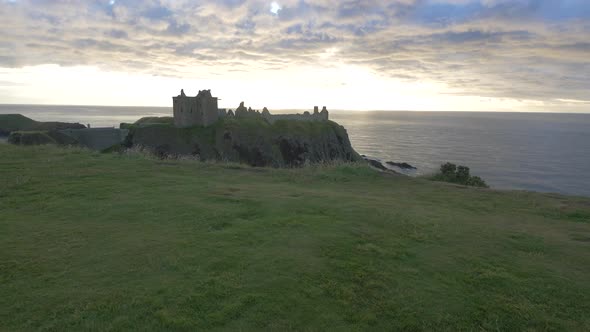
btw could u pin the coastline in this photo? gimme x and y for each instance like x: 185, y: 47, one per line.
x: 541, y: 152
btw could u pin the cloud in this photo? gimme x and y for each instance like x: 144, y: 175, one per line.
x: 511, y: 49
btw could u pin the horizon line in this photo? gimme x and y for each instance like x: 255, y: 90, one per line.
x: 302, y: 109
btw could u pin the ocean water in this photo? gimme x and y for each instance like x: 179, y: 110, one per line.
x: 527, y: 151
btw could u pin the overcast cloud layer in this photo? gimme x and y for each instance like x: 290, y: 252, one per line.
x: 523, y: 49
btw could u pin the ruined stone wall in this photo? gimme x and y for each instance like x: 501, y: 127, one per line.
x: 297, y: 117
x: 186, y: 112
x: 242, y: 111
x: 203, y: 110
x: 193, y: 111
x: 210, y: 112
x: 276, y: 117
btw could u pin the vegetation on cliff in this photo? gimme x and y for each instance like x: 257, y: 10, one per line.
x: 92, y: 241
x: 452, y: 173
x: 250, y: 140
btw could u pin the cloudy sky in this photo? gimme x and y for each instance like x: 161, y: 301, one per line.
x: 465, y: 55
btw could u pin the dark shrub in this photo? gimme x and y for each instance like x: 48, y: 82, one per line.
x: 462, y: 173
x: 476, y: 181
x: 458, y: 174
x: 448, y: 169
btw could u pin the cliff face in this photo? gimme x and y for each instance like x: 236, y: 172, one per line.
x: 253, y: 141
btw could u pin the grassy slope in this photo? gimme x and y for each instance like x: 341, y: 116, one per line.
x: 91, y: 241
x: 18, y: 122
x: 155, y: 120
x: 249, y: 124
x: 14, y: 122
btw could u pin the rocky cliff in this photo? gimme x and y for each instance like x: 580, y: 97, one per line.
x: 249, y: 140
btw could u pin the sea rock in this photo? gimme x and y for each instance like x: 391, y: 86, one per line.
x: 376, y: 163
x: 402, y: 165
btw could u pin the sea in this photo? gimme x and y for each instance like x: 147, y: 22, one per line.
x: 544, y: 152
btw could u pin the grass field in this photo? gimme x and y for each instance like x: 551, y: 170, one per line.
x: 93, y: 241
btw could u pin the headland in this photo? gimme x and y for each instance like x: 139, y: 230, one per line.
x: 202, y: 130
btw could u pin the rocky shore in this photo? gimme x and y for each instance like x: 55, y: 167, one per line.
x: 388, y: 166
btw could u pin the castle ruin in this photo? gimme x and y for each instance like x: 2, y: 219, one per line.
x: 202, y: 110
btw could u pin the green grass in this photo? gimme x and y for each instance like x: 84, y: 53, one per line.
x: 248, y: 124
x: 14, y: 122
x: 18, y: 122
x: 150, y: 120
x: 93, y: 241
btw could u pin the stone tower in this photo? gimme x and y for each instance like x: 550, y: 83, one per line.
x: 324, y: 113
x: 201, y: 110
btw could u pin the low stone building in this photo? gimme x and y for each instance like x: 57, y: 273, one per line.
x: 201, y: 110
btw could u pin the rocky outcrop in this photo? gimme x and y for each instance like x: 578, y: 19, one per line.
x: 376, y: 163
x: 403, y: 165
x: 250, y: 140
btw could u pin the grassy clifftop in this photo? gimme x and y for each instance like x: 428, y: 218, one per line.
x: 14, y: 122
x: 93, y: 241
x: 19, y: 122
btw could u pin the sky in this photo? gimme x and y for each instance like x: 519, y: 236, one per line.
x: 436, y: 55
